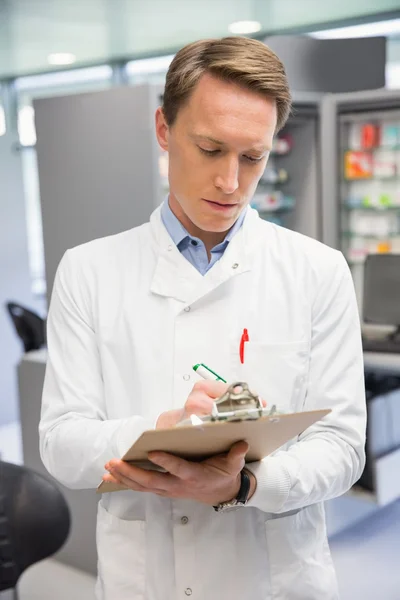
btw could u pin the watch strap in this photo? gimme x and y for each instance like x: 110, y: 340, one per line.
x: 244, y: 490
x: 242, y: 495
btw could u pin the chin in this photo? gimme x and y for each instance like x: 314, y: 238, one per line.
x: 216, y: 227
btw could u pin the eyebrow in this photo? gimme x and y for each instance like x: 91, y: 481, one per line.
x: 219, y: 143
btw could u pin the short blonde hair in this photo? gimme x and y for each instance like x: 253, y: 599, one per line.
x: 244, y: 61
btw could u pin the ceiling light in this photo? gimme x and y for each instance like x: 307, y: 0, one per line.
x: 245, y: 27
x: 61, y: 58
x: 385, y: 28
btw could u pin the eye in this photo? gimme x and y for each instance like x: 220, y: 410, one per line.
x: 249, y: 159
x: 252, y: 159
x: 208, y: 152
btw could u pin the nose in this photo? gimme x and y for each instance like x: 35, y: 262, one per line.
x: 227, y: 179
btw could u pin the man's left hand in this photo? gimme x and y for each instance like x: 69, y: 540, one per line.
x: 212, y: 481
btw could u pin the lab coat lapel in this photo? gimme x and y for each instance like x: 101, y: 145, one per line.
x: 176, y: 277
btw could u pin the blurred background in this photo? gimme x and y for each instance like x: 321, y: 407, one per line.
x: 79, y: 84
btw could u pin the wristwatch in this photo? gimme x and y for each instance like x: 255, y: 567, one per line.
x: 242, y: 496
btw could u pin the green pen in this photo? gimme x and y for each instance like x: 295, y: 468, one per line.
x: 207, y: 373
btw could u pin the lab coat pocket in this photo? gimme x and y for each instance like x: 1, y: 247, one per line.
x: 277, y: 372
x: 301, y: 567
x: 121, y: 548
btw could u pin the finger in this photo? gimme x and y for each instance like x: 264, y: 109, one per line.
x: 198, y: 403
x: 108, y: 478
x: 264, y: 403
x: 213, y: 389
x: 136, y: 487
x: 201, y: 399
x: 144, y: 477
x: 178, y: 467
x: 237, y: 453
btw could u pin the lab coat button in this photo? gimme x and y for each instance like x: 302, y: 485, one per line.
x: 188, y: 591
x: 184, y: 520
x: 169, y: 248
x: 186, y: 377
x: 235, y: 265
x: 187, y: 308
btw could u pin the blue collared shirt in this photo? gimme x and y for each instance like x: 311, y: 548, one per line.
x: 192, y: 248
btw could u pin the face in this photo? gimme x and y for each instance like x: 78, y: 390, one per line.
x: 218, y: 148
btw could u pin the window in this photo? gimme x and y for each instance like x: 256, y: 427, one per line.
x: 146, y: 70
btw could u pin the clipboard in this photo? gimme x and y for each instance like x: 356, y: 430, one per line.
x: 199, y: 442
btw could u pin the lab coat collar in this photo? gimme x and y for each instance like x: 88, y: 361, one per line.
x: 176, y: 277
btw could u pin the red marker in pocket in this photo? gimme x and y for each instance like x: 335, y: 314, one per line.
x: 243, y: 340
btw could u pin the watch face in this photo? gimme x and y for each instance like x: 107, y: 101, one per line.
x: 228, y: 508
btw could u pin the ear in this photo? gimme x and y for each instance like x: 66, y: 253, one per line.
x: 162, y: 129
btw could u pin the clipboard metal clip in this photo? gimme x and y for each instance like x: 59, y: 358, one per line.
x: 238, y: 404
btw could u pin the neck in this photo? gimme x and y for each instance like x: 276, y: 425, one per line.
x: 209, y: 238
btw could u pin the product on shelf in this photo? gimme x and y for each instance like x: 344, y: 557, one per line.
x: 376, y: 193
x: 282, y: 144
x: 358, y: 165
x: 384, y: 163
x: 383, y: 247
x: 274, y: 201
x: 376, y: 225
x: 370, y: 189
x: 390, y: 135
x: 354, y: 137
x: 379, y: 201
x: 273, y: 176
x: 360, y: 248
x: 370, y: 136
x: 364, y: 136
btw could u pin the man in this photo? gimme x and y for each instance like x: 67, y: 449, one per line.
x: 130, y: 315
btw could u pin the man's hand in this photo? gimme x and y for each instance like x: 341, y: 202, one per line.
x: 199, y: 402
x: 211, y: 481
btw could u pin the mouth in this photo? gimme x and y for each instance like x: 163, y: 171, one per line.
x: 219, y: 205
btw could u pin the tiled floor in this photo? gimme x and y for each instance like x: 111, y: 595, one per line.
x: 367, y: 556
x: 52, y: 580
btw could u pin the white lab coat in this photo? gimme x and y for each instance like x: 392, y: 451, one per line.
x: 129, y: 317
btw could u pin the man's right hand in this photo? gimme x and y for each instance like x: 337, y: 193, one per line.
x: 199, y: 402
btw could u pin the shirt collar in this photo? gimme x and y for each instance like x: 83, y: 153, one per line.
x: 178, y: 233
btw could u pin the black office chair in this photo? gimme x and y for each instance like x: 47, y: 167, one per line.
x: 34, y: 521
x: 29, y: 326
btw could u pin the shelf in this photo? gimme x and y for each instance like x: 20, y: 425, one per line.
x: 380, y: 178
x: 367, y: 236
x: 375, y: 149
x: 377, y: 209
x: 353, y: 262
